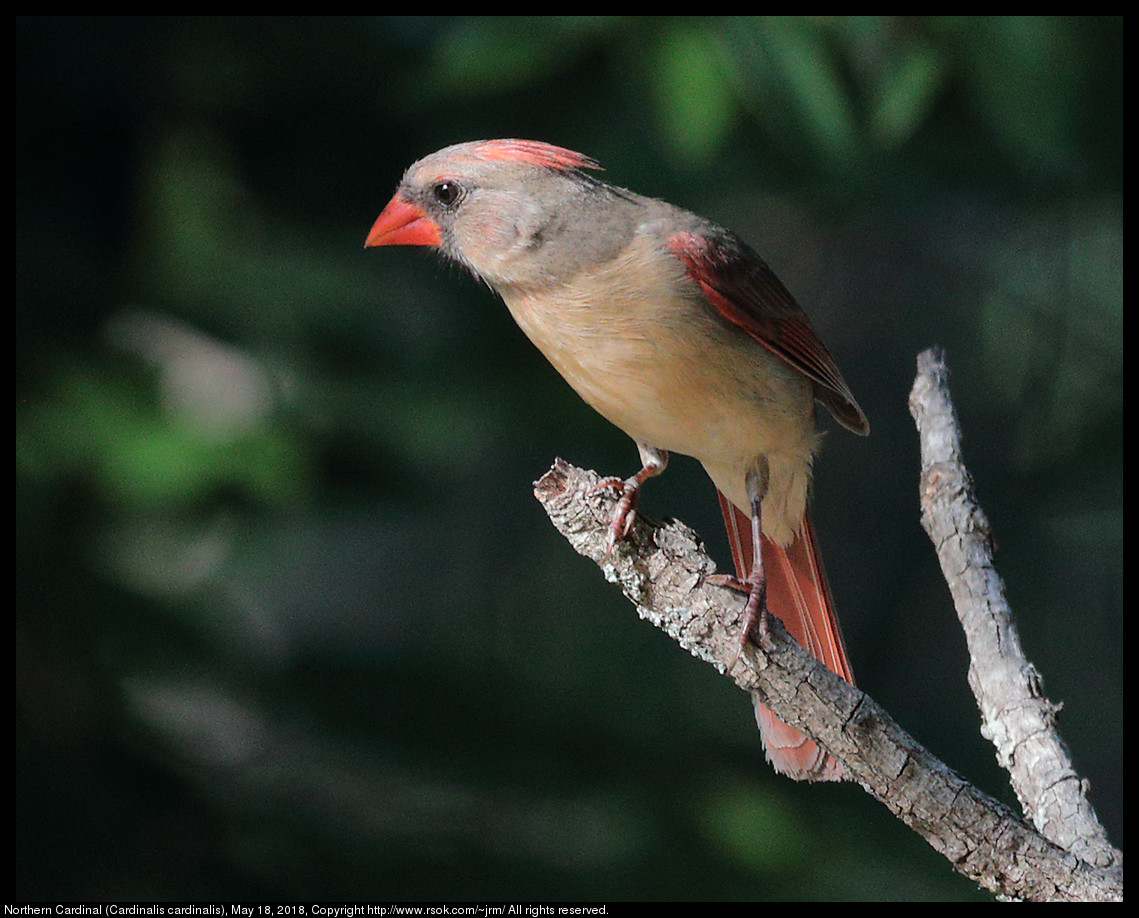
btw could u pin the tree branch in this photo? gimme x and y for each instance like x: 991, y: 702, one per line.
x: 663, y: 569
x: 1015, y: 716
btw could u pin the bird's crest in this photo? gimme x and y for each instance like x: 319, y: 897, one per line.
x: 534, y: 152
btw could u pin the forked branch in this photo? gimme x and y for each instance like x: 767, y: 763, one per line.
x: 663, y: 569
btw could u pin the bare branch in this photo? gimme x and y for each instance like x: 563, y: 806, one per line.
x: 1015, y: 716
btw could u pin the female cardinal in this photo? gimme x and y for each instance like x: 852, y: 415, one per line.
x: 676, y: 331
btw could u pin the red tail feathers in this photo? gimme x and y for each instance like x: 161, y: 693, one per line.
x: 797, y: 594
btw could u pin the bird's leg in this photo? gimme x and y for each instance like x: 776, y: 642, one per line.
x: 653, y: 462
x: 755, y: 611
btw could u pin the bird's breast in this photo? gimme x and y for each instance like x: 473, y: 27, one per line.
x: 635, y: 338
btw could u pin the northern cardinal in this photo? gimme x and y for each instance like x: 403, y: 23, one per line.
x: 675, y: 331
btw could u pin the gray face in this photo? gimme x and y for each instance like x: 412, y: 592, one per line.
x: 517, y: 223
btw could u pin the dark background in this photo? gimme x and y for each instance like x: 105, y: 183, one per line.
x: 290, y: 623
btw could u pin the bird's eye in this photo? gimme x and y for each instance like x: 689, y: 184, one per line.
x: 446, y: 193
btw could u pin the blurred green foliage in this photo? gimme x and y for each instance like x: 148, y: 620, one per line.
x: 289, y: 624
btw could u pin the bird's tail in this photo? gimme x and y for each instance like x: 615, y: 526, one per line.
x: 797, y: 594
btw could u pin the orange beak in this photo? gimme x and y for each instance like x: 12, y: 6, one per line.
x: 402, y: 223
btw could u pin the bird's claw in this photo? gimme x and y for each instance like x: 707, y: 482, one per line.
x: 754, y: 616
x: 621, y: 523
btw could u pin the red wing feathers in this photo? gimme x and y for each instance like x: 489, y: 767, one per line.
x: 748, y: 294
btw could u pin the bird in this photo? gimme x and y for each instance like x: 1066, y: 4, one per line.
x: 677, y: 332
